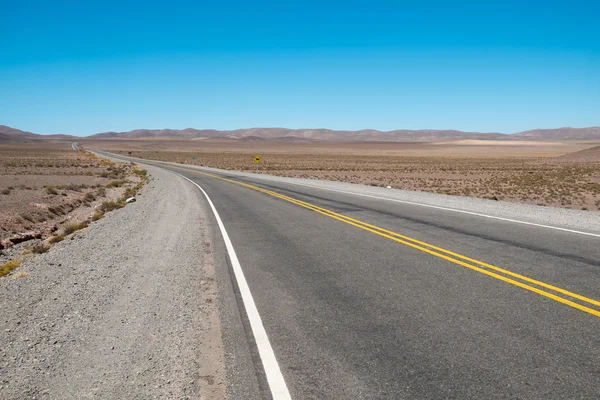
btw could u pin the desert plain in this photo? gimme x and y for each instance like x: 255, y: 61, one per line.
x: 546, y: 173
x: 47, y: 189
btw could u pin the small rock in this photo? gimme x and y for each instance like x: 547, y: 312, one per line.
x: 388, y: 187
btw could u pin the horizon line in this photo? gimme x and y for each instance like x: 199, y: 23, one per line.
x: 300, y: 129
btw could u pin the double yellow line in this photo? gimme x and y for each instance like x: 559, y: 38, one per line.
x: 524, y: 282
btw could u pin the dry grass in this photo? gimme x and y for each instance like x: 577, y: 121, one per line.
x: 89, y: 197
x: 20, y: 274
x: 492, y: 172
x: 44, y: 182
x: 56, y: 238
x: 74, y: 227
x: 8, y: 267
x: 97, y: 215
x: 108, y: 206
x: 40, y: 248
x: 119, y: 183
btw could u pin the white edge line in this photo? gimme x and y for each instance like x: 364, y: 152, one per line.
x: 277, y: 384
x: 448, y: 209
x: 516, y: 221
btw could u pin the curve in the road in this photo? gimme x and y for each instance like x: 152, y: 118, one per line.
x: 448, y: 255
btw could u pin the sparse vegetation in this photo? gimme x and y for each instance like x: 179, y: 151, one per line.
x: 89, y: 197
x: 107, y: 206
x: 129, y: 192
x: 26, y: 217
x: 51, y: 181
x: 56, y: 238
x: 74, y: 227
x: 97, y: 215
x: 118, y: 183
x: 8, y: 267
x: 519, y: 174
x: 20, y: 274
x: 141, y: 173
x: 40, y: 248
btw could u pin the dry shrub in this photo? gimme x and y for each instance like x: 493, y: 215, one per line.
x: 56, y: 238
x: 118, y: 183
x: 107, y: 206
x: 97, y: 215
x: 74, y: 227
x: 40, y: 248
x: 9, y: 266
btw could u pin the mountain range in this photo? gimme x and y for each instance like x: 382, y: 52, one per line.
x: 8, y: 134
x: 12, y: 135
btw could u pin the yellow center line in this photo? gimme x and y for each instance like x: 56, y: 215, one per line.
x: 442, y: 253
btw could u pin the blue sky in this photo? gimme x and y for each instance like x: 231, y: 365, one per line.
x: 82, y: 67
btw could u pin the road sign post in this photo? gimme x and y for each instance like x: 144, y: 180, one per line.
x: 257, y: 160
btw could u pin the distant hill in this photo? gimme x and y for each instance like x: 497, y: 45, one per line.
x: 5, y: 138
x: 591, y: 155
x: 283, y: 134
x: 304, y: 135
x: 425, y: 135
x: 560, y: 134
x: 12, y: 135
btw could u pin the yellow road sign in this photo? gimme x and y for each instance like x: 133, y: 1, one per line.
x: 257, y: 159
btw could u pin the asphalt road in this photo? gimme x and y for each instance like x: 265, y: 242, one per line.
x: 457, y: 307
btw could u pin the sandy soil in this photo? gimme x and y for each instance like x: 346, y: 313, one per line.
x: 526, y: 172
x: 458, y: 149
x: 44, y: 186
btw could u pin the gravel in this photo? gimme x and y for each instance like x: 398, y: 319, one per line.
x: 124, y: 309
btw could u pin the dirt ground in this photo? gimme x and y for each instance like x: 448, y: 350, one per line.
x: 45, y: 186
x: 558, y: 174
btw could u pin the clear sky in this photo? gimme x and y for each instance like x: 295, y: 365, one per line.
x: 82, y: 67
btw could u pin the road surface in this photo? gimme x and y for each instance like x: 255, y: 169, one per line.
x: 365, y: 298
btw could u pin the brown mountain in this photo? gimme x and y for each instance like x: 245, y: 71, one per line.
x: 8, y: 134
x: 290, y: 135
x: 300, y: 134
x: 15, y: 134
x: 5, y: 138
x: 424, y: 135
x: 592, y: 133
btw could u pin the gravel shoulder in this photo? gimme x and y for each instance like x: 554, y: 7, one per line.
x: 125, y: 309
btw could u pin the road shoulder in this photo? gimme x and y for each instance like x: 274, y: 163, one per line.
x: 126, y: 309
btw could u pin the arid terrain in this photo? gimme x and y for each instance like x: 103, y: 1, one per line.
x: 558, y: 174
x: 48, y: 191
